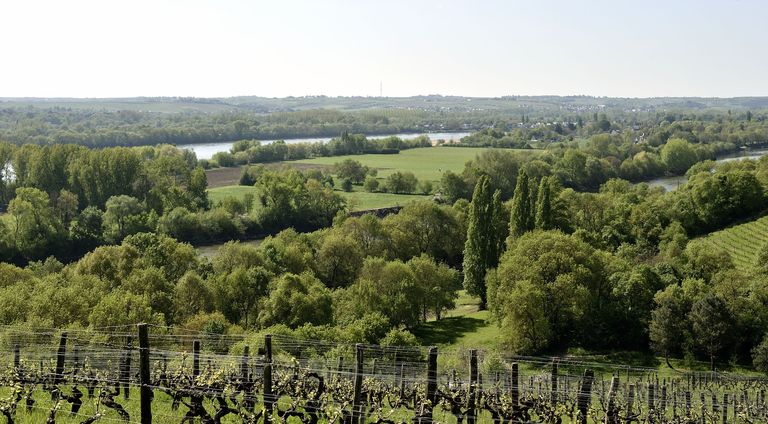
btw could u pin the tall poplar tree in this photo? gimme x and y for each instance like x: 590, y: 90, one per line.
x: 521, y: 219
x: 485, y: 238
x: 544, y: 218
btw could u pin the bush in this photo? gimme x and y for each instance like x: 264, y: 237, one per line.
x: 760, y: 356
x: 425, y: 187
x: 397, y: 337
x: 346, y: 185
x: 371, y: 184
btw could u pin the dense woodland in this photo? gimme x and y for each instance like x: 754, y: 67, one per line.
x: 556, y: 239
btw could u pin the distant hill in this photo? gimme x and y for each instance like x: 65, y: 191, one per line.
x: 265, y: 105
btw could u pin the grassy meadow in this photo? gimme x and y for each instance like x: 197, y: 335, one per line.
x: 426, y: 163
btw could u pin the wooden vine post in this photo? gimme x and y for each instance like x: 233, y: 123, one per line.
x: 125, y: 372
x: 585, y: 395
x: 612, y: 412
x: 472, y: 407
x: 515, y: 386
x: 196, y: 358
x: 61, y: 354
x: 144, y: 375
x: 553, y: 378
x: 431, y: 382
x: 268, y: 397
x: 358, y: 385
x: 16, y: 357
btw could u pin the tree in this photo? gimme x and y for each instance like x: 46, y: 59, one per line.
x: 36, y: 228
x: 522, y: 217
x: 678, y: 155
x: 544, y: 217
x: 66, y: 207
x: 121, y: 308
x: 760, y: 356
x: 389, y: 288
x: 436, y: 282
x: 710, y: 320
x: 371, y: 184
x: 352, y: 170
x: 453, y: 187
x: 294, y: 300
x: 425, y: 227
x: 338, y: 260
x: 550, y: 290
x: 198, y: 188
x: 484, y: 238
x: 190, y: 297
x: 668, y: 326
x: 425, y: 187
x: 346, y: 184
x: 401, y: 182
x: 117, y: 218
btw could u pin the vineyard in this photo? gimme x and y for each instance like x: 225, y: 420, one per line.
x: 84, y: 377
x: 742, y: 242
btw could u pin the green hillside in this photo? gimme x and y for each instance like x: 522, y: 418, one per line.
x: 742, y: 241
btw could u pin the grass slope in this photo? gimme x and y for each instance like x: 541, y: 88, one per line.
x: 464, y: 326
x: 742, y: 241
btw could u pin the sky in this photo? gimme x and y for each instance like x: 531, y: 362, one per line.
x: 278, y: 48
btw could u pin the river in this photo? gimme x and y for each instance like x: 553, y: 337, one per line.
x: 672, y: 183
x: 207, y: 150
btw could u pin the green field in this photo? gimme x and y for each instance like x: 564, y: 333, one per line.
x: 742, y: 241
x: 215, y: 195
x: 357, y: 200
x: 426, y: 163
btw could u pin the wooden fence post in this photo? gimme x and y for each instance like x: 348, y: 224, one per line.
x: 585, y: 395
x: 358, y: 385
x: 268, y: 397
x: 725, y: 408
x: 471, y: 408
x: 144, y: 376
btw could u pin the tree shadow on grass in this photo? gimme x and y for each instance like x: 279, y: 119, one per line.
x: 447, y: 330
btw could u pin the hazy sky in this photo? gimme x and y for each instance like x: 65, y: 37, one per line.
x: 638, y: 48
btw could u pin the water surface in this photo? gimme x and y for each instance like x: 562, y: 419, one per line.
x: 207, y: 150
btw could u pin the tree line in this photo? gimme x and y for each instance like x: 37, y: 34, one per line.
x: 64, y: 200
